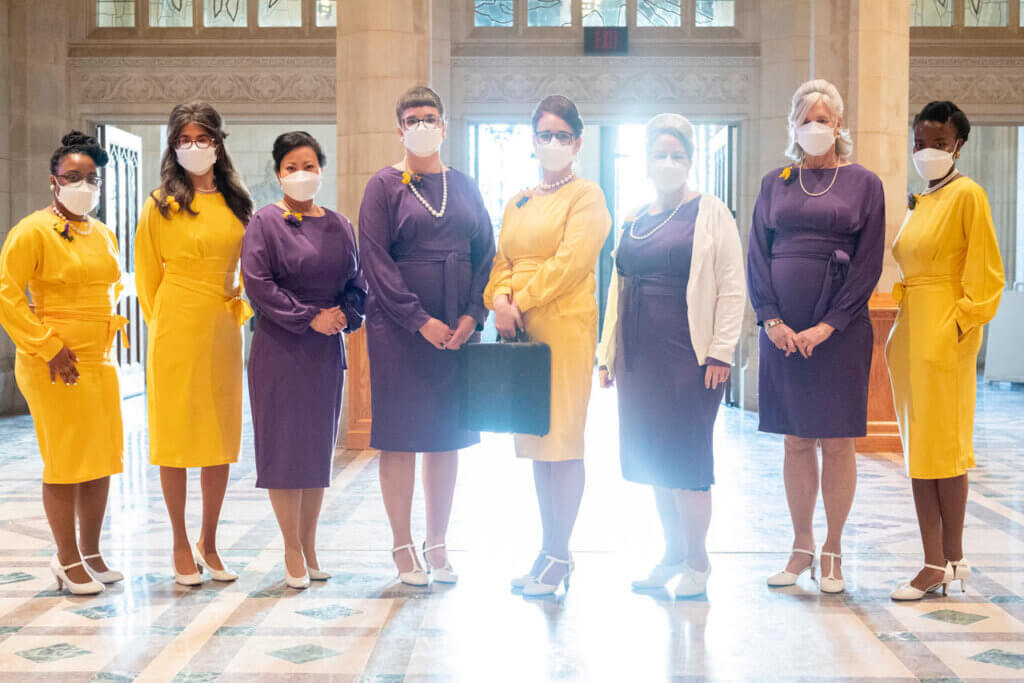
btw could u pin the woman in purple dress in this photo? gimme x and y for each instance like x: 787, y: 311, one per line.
x: 816, y: 247
x: 675, y: 309
x: 301, y: 270
x: 427, y: 244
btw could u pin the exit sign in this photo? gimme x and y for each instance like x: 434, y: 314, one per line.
x: 605, y: 40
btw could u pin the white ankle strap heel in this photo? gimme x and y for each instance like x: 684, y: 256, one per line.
x: 443, y: 574
x: 109, y: 576
x: 415, y: 577
x: 537, y: 587
x: 788, y: 578
x: 908, y: 592
x: 830, y: 584
x: 91, y: 587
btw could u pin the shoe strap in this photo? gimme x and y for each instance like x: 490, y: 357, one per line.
x: 71, y: 566
x: 433, y: 547
x: 92, y: 557
x: 936, y: 568
x: 805, y: 552
x: 412, y: 553
x: 447, y: 565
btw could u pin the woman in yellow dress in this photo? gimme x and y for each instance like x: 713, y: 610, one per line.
x: 951, y: 279
x: 543, y: 283
x: 68, y: 261
x: 187, y: 251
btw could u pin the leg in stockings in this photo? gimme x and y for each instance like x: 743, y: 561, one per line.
x: 672, y: 525
x: 542, y: 482
x: 439, y: 473
x: 800, y: 474
x: 174, y: 481
x: 567, y: 480
x: 59, y: 504
x: 214, y: 483
x: 91, y: 506
x: 838, y: 485
x: 696, y: 513
x: 287, y: 504
x: 929, y: 519
x: 953, y: 508
x: 397, y: 480
x: 309, y: 517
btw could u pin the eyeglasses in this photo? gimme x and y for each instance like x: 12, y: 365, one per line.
x: 74, y: 177
x: 544, y: 137
x: 411, y: 121
x: 201, y: 142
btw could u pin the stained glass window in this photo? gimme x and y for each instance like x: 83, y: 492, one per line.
x: 280, y: 12
x: 604, y: 12
x: 115, y: 13
x: 931, y: 12
x: 170, y: 13
x: 549, y: 13
x: 225, y: 13
x: 986, y: 13
x: 493, y: 13
x: 326, y: 12
x: 716, y: 13
x: 660, y: 13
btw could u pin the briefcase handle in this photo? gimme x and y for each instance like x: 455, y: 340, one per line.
x: 521, y: 338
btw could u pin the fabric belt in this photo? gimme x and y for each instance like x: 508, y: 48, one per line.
x: 449, y: 264
x: 634, y: 289
x: 899, y: 290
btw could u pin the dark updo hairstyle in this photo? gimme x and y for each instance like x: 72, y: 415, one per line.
x: 77, y: 142
x: 563, y: 108
x: 418, y: 96
x: 944, y: 111
x: 174, y: 180
x: 288, y: 142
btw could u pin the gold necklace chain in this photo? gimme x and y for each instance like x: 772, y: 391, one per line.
x: 816, y: 194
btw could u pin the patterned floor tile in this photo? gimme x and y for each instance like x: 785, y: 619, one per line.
x: 303, y: 654
x: 1010, y: 660
x: 954, y: 616
x: 52, y: 653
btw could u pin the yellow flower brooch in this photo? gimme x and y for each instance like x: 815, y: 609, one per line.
x: 787, y: 175
x: 293, y: 218
x: 172, y: 204
x: 409, y: 178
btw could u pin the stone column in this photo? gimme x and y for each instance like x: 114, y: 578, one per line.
x: 383, y: 48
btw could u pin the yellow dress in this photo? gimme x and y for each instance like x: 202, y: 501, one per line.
x: 547, y: 254
x: 74, y: 287
x: 186, y: 270
x: 951, y: 281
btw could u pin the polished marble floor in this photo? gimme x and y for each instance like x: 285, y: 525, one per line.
x: 362, y: 626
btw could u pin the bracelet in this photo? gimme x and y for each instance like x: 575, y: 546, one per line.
x: 769, y: 324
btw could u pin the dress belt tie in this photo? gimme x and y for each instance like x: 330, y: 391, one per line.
x: 899, y: 289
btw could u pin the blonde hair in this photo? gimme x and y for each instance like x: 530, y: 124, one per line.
x: 805, y: 97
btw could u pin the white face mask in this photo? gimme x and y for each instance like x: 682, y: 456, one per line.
x: 196, y: 161
x: 422, y: 140
x: 815, y: 138
x: 668, y: 175
x: 79, y: 198
x: 301, y: 186
x: 932, y: 164
x: 555, y: 156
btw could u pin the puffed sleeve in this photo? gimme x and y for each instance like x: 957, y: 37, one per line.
x: 982, y: 279
x: 20, y: 260
x: 353, y: 297
x: 258, y: 273
x: 759, y: 257
x: 865, y: 262
x: 149, y: 262
x: 386, y: 283
x: 500, y: 281
x: 586, y: 230
x: 481, y: 256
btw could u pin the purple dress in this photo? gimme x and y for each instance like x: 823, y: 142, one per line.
x: 666, y: 415
x: 420, y: 267
x: 811, y: 260
x: 295, y: 373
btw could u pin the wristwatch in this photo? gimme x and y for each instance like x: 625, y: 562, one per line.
x: 769, y: 324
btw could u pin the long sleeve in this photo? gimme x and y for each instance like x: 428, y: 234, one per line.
x: 865, y: 263
x: 500, y: 281
x: 149, y: 263
x: 606, y: 348
x: 270, y: 299
x: 586, y: 230
x: 481, y: 248
x: 353, y: 298
x: 20, y: 260
x: 730, y: 286
x: 982, y: 279
x: 387, y: 286
x: 759, y: 258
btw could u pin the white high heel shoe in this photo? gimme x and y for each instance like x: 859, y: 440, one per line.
x: 830, y: 584
x: 443, y: 574
x: 659, y: 576
x: 519, y: 582
x: 961, y: 572
x: 416, y: 577
x: 537, y: 588
x: 787, y: 578
x: 693, y: 582
x: 908, y: 592
x: 109, y: 576
x: 60, y: 573
x: 317, y: 574
x: 296, y: 582
x: 216, y: 574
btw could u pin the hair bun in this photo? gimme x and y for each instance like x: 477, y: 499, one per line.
x: 77, y: 138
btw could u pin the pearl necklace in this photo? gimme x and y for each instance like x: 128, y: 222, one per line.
x: 816, y: 194
x: 547, y: 187
x: 659, y: 226
x: 436, y: 213
x: 68, y: 222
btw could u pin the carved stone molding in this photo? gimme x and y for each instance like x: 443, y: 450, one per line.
x: 642, y: 80
x: 131, y: 80
x: 968, y: 80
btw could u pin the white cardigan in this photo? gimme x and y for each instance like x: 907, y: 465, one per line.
x: 715, y: 292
